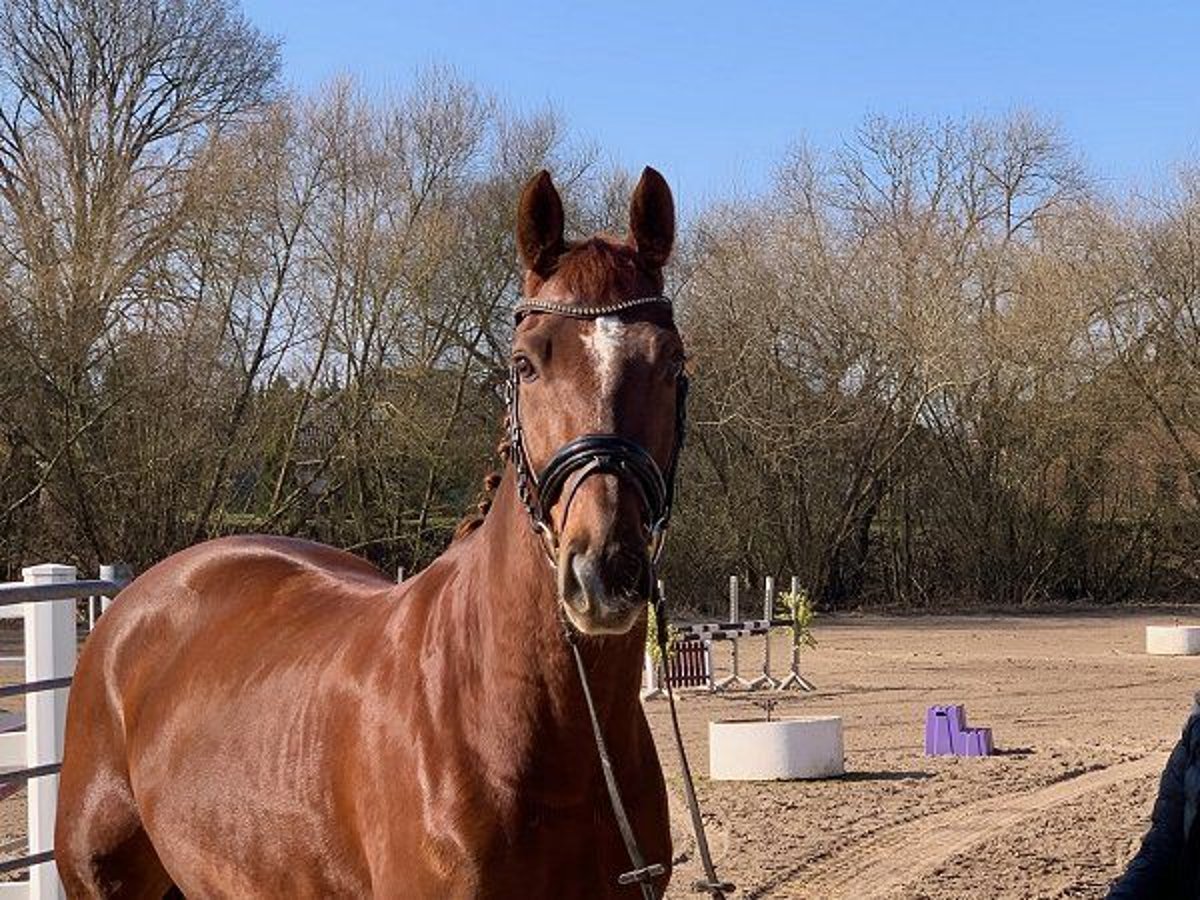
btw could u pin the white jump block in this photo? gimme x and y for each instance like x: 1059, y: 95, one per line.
x: 1173, y: 640
x: 757, y: 750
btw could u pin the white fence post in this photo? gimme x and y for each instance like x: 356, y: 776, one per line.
x: 650, y: 684
x: 49, y: 653
x: 734, y: 678
x: 119, y: 573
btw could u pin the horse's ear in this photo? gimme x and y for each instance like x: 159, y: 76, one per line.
x: 540, y: 225
x: 652, y: 218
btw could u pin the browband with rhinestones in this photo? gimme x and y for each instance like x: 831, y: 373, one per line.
x: 583, y: 312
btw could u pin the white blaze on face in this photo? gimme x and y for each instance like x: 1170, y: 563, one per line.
x: 603, y: 345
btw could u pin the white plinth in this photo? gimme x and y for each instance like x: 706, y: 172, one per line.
x: 1173, y: 640
x: 756, y: 750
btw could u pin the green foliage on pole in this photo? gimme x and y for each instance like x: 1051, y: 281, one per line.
x: 652, y: 637
x: 800, y: 613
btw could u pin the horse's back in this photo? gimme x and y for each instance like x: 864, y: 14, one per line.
x: 254, y: 569
x: 254, y: 581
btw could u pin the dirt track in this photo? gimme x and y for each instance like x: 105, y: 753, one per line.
x: 1083, y: 719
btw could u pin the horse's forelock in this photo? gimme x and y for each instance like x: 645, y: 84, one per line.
x: 600, y: 269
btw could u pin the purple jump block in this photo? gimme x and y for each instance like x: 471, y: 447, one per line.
x: 947, y: 734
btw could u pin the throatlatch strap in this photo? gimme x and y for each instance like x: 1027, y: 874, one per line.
x: 641, y: 873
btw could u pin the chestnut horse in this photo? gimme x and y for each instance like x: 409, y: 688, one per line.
x: 266, y: 717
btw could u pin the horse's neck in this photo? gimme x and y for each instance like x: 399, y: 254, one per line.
x: 528, y: 675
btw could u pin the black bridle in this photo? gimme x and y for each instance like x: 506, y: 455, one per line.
x: 611, y: 454
x: 593, y: 454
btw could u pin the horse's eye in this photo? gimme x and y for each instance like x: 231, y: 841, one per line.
x: 524, y: 368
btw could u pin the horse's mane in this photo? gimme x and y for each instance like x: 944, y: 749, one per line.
x: 491, y: 482
x: 594, y: 270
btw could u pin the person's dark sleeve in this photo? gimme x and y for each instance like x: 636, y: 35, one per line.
x: 1155, y: 871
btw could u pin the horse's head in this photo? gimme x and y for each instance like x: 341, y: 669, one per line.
x: 614, y: 378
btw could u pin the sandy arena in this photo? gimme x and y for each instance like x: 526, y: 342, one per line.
x: 1083, y: 722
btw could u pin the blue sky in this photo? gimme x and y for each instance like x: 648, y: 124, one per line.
x: 713, y: 94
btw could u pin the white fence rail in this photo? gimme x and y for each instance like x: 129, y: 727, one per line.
x: 46, y: 600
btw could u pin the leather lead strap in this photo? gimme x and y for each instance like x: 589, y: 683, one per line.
x: 712, y: 884
x: 610, y: 453
x: 641, y: 874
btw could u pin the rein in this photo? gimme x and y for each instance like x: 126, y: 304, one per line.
x: 611, y: 454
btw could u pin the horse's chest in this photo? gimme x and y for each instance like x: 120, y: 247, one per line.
x: 553, y: 857
x: 503, y: 851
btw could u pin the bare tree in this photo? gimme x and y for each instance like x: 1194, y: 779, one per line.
x: 104, y: 106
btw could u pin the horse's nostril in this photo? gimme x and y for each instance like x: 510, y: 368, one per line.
x: 587, y: 579
x: 578, y: 585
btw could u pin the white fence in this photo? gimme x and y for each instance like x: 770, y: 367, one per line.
x: 46, y: 601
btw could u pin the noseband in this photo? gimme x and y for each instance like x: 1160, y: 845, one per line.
x: 593, y: 454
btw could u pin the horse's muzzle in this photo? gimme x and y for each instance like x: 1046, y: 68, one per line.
x: 604, y: 590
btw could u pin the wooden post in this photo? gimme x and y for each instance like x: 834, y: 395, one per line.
x: 768, y: 614
x: 650, y: 686
x: 734, y: 616
x: 708, y: 664
x: 653, y: 684
x: 795, y: 643
x: 49, y: 653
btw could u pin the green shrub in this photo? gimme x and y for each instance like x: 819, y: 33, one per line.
x: 800, y: 611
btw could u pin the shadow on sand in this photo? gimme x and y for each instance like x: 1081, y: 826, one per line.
x: 885, y: 776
